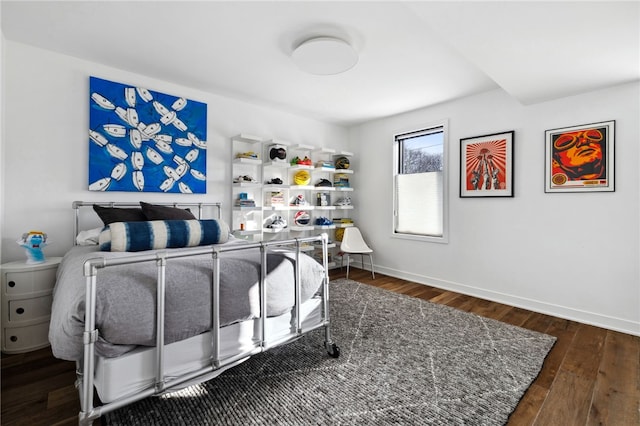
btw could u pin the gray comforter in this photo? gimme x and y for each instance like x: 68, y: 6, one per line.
x: 126, y: 297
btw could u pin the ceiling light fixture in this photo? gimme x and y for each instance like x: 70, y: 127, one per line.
x: 324, y: 56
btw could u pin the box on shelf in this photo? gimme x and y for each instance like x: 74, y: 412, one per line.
x: 243, y: 200
x: 274, y: 198
x: 323, y: 199
x: 341, y: 180
x: 343, y: 220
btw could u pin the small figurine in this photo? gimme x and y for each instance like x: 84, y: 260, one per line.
x: 34, y: 242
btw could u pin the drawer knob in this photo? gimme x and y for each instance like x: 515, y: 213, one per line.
x: 12, y: 283
x: 13, y: 338
x: 20, y: 311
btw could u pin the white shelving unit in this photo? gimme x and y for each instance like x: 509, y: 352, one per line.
x: 274, y: 190
x: 246, y: 187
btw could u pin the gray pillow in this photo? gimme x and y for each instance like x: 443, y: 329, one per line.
x: 112, y: 214
x: 156, y: 212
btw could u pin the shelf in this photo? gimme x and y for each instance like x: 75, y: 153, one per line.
x: 281, y: 164
x: 246, y: 209
x: 302, y: 187
x: 275, y: 231
x: 302, y: 228
x: 251, y: 161
x: 272, y: 187
x: 300, y: 167
x: 277, y: 142
x: 246, y: 138
x: 323, y: 151
x: 301, y: 147
x: 329, y: 246
x: 246, y: 231
x: 246, y: 184
x: 344, y: 225
x: 325, y: 226
x: 264, y: 169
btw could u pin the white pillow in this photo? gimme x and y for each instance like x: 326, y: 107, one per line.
x: 90, y: 237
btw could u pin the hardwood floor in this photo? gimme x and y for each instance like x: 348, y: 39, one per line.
x: 591, y: 376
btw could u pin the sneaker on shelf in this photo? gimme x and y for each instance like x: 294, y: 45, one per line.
x: 275, y: 181
x: 306, y: 161
x: 244, y: 178
x: 323, y: 221
x: 248, y: 154
x: 324, y: 182
x: 277, y: 223
x: 323, y: 164
x: 299, y: 201
x: 345, y: 201
x: 295, y: 160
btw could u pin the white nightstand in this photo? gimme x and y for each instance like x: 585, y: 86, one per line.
x: 26, y: 304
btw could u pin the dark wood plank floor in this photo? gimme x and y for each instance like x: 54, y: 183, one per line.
x: 591, y: 376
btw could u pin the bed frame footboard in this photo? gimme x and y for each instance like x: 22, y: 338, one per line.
x: 86, y: 367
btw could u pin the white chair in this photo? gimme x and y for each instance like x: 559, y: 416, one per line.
x: 353, y: 243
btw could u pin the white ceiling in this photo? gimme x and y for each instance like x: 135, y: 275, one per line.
x: 412, y: 54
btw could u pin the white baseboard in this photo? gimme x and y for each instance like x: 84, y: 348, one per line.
x: 591, y: 318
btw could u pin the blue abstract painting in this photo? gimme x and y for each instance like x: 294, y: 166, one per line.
x: 141, y: 140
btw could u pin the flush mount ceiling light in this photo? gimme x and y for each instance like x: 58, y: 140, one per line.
x: 324, y: 56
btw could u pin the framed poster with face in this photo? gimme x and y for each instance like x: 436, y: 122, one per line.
x: 486, y: 165
x: 580, y: 158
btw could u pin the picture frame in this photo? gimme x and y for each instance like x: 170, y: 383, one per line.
x: 486, y: 165
x: 142, y: 140
x: 580, y: 158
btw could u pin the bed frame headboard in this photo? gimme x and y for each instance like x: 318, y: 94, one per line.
x: 202, y: 209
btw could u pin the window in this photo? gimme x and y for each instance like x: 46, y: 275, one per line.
x: 420, y: 184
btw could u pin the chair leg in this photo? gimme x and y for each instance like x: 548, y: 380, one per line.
x: 347, y: 264
x: 373, y: 275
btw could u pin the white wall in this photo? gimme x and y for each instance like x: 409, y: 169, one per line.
x: 570, y: 255
x: 45, y: 161
x: 2, y: 86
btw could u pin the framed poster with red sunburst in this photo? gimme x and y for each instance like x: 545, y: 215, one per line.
x: 486, y: 165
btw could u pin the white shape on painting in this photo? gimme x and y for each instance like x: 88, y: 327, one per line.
x: 101, y: 101
x: 100, y: 185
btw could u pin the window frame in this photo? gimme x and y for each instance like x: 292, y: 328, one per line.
x: 444, y: 239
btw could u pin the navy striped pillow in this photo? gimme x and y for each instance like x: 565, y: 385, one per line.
x: 159, y: 234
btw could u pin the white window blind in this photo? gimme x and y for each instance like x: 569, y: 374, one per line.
x: 420, y: 204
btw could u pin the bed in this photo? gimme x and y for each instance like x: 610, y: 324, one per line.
x: 158, y: 298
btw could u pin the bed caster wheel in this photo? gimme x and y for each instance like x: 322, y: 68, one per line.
x: 333, y: 350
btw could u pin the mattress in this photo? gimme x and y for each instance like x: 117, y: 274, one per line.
x: 135, y: 371
x: 126, y: 296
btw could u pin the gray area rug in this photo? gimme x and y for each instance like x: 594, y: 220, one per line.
x: 404, y: 361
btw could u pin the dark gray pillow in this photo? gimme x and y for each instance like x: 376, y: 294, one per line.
x: 112, y: 214
x: 156, y: 212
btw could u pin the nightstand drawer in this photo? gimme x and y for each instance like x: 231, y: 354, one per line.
x: 30, y: 281
x: 28, y: 309
x: 19, y: 339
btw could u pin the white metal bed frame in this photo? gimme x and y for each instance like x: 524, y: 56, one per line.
x: 85, y: 369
